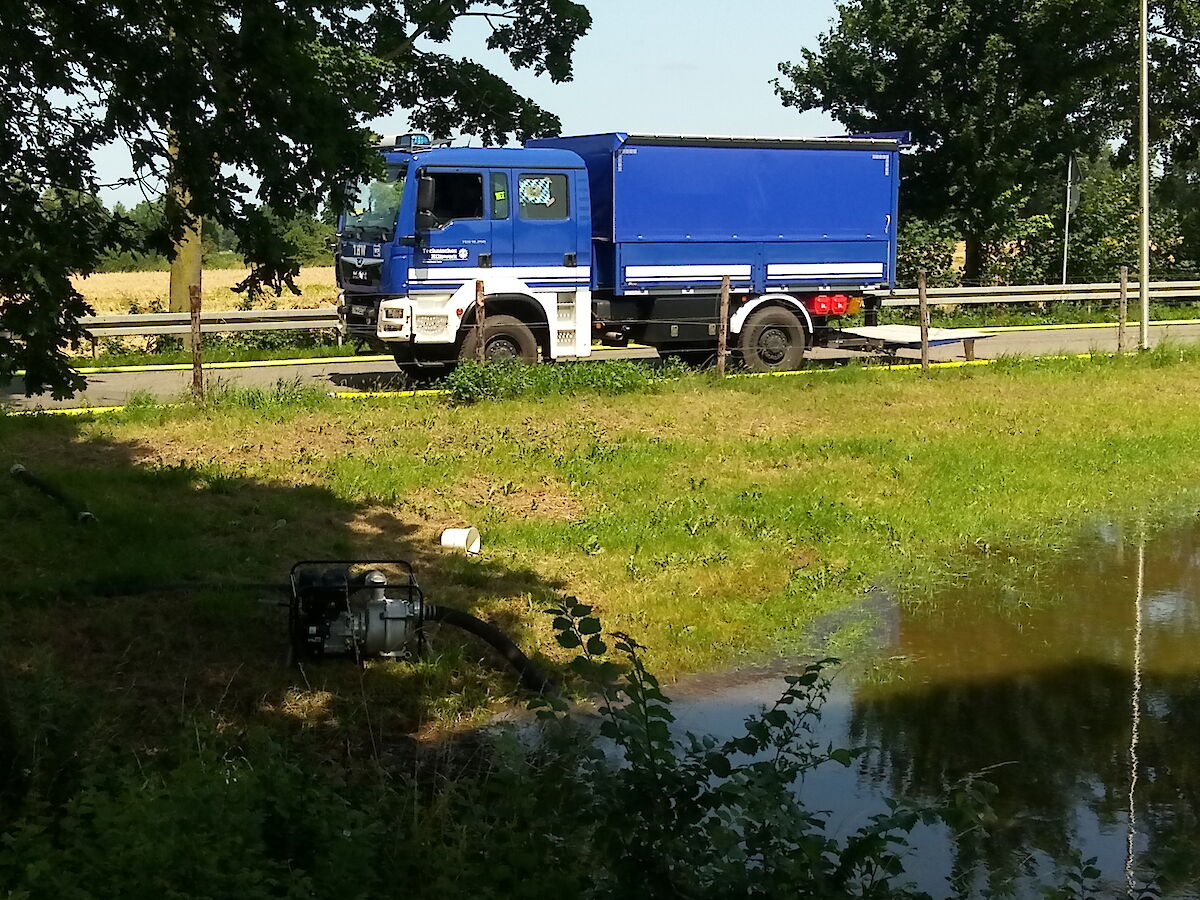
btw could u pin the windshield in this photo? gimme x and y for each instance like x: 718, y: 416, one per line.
x: 372, y: 213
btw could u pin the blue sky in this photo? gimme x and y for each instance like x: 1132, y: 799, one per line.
x: 668, y: 66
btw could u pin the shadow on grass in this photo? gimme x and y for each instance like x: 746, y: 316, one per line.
x: 385, y: 381
x: 98, y: 651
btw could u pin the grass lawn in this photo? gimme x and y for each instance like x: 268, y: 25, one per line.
x: 712, y: 521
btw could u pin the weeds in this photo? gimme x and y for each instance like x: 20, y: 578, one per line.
x: 472, y: 382
x: 284, y: 395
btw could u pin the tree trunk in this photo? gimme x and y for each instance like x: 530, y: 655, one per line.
x: 187, y: 263
x: 973, y: 267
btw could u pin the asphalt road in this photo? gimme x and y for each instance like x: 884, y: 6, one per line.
x: 113, y: 389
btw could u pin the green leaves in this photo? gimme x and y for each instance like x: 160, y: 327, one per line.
x: 568, y: 639
x: 996, y: 94
x: 195, y: 93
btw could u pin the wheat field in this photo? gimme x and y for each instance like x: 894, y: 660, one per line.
x: 122, y: 292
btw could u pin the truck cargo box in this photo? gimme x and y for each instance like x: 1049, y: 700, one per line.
x: 674, y: 214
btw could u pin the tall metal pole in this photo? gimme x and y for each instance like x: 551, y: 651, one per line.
x: 1144, y: 263
x: 1067, y: 217
x: 1123, y: 309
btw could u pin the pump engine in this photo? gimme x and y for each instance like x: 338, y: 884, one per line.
x: 349, y: 609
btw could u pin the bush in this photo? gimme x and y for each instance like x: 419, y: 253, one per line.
x: 557, y: 811
x: 553, y: 816
x: 929, y: 246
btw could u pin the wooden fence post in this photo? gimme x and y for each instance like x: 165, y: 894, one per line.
x: 1123, y: 312
x: 723, y: 327
x: 197, y: 354
x: 923, y: 303
x: 479, y: 322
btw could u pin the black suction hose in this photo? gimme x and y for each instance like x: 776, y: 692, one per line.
x: 78, y: 511
x: 532, y: 678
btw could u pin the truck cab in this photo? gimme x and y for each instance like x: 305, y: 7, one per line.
x: 445, y: 225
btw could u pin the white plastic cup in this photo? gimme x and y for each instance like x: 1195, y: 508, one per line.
x: 462, y: 539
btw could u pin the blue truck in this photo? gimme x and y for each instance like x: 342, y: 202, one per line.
x: 613, y: 238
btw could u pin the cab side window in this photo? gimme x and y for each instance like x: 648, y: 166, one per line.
x: 456, y: 196
x: 544, y: 197
x: 499, y: 195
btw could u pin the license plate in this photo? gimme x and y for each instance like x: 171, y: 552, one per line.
x: 364, y: 311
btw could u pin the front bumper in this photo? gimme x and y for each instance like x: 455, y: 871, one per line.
x: 394, y: 321
x: 384, y: 320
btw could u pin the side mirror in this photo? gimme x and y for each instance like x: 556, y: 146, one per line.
x: 425, y: 191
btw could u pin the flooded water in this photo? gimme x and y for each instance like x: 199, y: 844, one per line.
x: 1083, y: 691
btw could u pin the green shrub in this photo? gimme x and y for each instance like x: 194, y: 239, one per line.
x: 929, y: 246
x: 283, y: 395
x: 559, y: 811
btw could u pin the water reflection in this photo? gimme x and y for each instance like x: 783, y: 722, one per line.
x: 1042, y: 686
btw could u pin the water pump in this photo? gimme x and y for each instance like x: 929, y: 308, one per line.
x: 350, y: 609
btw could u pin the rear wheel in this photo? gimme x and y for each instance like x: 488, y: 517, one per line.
x: 506, y: 339
x: 772, y: 340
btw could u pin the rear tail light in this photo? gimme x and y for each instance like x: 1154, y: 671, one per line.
x: 829, y: 304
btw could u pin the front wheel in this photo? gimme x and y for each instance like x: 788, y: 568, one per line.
x: 772, y: 340
x: 506, y: 339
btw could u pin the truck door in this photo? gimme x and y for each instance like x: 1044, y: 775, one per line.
x: 545, y: 232
x: 500, y: 201
x: 452, y: 229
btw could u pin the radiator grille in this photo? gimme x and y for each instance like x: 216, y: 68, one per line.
x: 430, y: 324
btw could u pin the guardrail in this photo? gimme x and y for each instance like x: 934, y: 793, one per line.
x: 1039, y: 293
x: 223, y: 320
x: 326, y: 317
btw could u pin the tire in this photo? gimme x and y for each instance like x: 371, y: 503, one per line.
x: 772, y: 340
x: 506, y: 339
